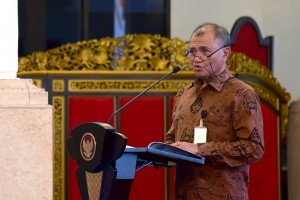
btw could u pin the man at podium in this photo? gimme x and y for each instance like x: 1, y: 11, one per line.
x: 218, y: 117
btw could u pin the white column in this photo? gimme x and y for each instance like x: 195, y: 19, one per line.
x: 293, y: 149
x: 9, y: 39
x: 26, y: 136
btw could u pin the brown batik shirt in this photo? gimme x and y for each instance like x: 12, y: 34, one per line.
x: 234, y: 138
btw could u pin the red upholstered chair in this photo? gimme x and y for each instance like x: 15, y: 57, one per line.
x: 267, y: 177
x: 247, y: 39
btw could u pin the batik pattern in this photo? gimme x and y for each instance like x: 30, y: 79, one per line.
x: 234, y: 140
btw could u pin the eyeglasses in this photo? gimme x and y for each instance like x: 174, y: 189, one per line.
x: 192, y: 53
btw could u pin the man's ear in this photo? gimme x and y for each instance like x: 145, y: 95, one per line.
x: 227, y: 52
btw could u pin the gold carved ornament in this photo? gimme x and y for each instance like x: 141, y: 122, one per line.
x: 134, y: 52
x: 137, y: 52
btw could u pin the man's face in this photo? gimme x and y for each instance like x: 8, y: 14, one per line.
x: 202, y: 46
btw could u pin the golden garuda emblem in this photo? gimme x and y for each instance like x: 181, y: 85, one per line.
x: 88, y: 146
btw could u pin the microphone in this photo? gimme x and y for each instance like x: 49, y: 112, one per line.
x: 203, y: 114
x: 174, y: 71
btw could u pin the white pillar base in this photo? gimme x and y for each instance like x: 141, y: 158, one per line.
x: 26, y: 139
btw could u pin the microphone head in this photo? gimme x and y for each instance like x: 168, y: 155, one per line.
x: 176, y: 69
x: 203, y: 114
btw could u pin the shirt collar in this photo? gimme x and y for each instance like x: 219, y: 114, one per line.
x: 216, y: 83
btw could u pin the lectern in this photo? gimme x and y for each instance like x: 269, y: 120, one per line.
x: 107, y: 166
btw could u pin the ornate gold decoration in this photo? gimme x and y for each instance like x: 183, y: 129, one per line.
x: 125, y: 85
x: 135, y: 52
x: 58, y: 85
x: 284, y: 119
x: 142, y: 52
x: 59, y: 148
x: 37, y: 82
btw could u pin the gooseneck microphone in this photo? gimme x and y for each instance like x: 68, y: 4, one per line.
x: 174, y: 71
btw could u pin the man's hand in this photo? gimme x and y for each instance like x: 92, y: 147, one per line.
x: 193, y: 148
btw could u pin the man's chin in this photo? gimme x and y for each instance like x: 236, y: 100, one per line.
x: 201, y: 74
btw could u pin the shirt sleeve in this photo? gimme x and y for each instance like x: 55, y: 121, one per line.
x: 170, y: 136
x: 248, y: 128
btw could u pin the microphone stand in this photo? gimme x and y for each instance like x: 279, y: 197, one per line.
x: 175, y: 70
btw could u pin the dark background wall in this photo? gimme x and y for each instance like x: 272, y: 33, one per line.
x: 46, y: 24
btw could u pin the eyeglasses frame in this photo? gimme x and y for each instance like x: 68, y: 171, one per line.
x: 210, y: 55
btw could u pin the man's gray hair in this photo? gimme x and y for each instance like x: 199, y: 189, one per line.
x: 221, y: 33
